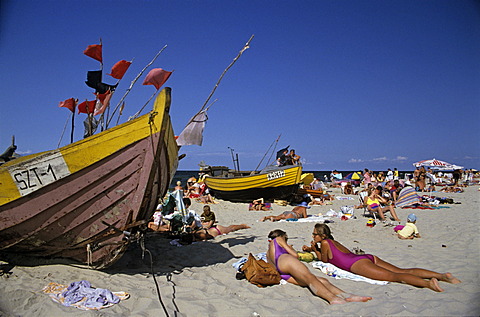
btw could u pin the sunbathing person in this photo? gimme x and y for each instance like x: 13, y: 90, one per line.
x: 298, y: 212
x: 258, y: 204
x: 452, y: 189
x: 331, y: 251
x: 348, y: 189
x: 374, y: 201
x: 214, y: 231
x: 285, y: 259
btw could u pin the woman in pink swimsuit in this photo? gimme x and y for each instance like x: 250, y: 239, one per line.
x: 285, y: 259
x: 331, y: 251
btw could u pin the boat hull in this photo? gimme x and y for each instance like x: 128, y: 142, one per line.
x: 281, y: 183
x: 104, y: 190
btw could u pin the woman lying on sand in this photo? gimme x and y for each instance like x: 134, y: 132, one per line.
x: 330, y: 251
x: 210, y: 233
x: 298, y: 212
x: 285, y: 259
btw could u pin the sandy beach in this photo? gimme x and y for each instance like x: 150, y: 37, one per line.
x: 199, y: 279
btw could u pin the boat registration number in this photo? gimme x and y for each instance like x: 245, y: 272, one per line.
x: 275, y: 175
x: 40, y: 171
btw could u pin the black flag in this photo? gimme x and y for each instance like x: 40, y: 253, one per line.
x: 94, y: 80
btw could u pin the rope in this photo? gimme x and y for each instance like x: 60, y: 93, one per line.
x: 89, y: 255
x: 144, y: 249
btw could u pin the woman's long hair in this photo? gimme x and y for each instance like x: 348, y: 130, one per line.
x: 277, y: 233
x: 323, y: 229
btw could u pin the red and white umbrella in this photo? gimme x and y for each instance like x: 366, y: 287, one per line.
x: 437, y: 164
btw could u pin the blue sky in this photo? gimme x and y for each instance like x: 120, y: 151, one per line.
x: 348, y: 84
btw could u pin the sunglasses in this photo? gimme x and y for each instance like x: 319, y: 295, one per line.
x: 315, y: 234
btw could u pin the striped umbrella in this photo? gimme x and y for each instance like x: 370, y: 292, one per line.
x: 437, y: 164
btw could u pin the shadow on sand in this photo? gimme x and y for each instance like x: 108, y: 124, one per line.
x: 168, y: 258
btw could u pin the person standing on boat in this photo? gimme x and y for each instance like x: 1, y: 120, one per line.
x: 292, y: 158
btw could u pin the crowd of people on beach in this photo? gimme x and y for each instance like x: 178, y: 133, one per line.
x: 380, y: 193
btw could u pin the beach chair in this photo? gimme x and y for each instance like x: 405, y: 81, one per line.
x: 366, y: 213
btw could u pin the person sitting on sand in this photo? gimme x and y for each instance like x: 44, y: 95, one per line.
x: 204, y: 194
x: 192, y: 219
x: 298, y: 212
x: 214, y: 231
x: 409, y: 231
x: 193, y: 188
x: 395, y: 189
x: 329, y: 250
x: 208, y: 217
x: 285, y: 259
x: 348, y: 189
x: 374, y: 201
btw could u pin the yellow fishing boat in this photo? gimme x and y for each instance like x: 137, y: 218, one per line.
x: 269, y: 184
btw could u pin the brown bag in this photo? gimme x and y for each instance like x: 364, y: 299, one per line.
x: 260, y: 273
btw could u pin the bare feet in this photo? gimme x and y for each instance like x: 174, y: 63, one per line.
x: 448, y: 277
x: 337, y: 300
x: 355, y: 298
x: 433, y: 285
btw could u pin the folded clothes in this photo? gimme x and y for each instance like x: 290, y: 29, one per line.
x: 83, y: 296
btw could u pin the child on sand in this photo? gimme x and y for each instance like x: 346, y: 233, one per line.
x: 409, y: 231
x: 208, y: 217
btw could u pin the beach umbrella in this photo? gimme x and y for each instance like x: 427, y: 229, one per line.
x: 281, y: 152
x: 354, y: 176
x: 437, y: 164
x: 407, y: 197
x: 307, y: 178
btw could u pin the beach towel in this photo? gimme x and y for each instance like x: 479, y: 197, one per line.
x: 83, y: 296
x: 310, y: 218
x: 343, y: 198
x: 418, y: 207
x: 333, y: 271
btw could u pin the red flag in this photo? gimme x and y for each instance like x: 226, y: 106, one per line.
x: 69, y: 103
x: 104, y: 101
x: 119, y: 69
x: 157, y: 77
x: 87, y: 106
x: 94, y: 51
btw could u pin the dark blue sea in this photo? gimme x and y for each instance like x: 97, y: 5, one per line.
x: 183, y: 176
